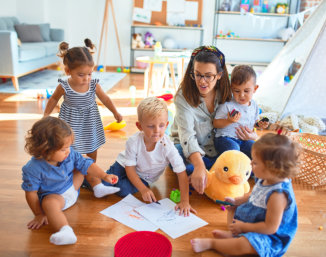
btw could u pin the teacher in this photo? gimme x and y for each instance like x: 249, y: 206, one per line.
x: 205, y: 85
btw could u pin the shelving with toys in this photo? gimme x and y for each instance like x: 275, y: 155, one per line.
x: 170, y: 37
x: 252, y: 31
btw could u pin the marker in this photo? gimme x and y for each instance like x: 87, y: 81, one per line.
x: 224, y: 202
x: 157, y: 202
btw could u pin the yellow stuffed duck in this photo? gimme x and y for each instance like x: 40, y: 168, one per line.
x: 229, y: 176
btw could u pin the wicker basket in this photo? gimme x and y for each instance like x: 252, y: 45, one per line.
x: 313, y: 165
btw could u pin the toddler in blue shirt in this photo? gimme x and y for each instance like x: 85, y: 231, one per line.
x: 53, y: 176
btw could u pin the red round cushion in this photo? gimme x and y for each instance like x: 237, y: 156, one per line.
x: 143, y: 243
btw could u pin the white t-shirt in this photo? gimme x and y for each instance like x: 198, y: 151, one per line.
x: 249, y: 116
x: 150, y: 165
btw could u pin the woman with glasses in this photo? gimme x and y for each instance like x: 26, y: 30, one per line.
x: 205, y: 85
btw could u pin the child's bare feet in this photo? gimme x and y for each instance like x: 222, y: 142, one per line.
x: 201, y: 244
x: 221, y: 234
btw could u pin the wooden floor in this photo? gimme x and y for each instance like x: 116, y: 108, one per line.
x: 96, y: 233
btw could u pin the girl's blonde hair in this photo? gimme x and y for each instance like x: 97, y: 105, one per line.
x: 279, y: 154
x: 46, y: 137
x: 151, y: 106
x: 77, y: 56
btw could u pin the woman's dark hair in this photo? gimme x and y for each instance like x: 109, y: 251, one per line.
x: 188, y: 85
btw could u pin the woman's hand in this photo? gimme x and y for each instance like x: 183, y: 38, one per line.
x: 199, y: 178
x: 148, y: 195
x: 279, y: 129
x: 263, y: 124
x: 38, y: 221
x: 185, y: 208
x: 244, y: 133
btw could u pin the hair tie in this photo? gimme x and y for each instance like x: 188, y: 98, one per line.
x: 211, y: 49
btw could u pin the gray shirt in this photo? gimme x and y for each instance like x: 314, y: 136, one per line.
x: 193, y: 127
x: 249, y: 116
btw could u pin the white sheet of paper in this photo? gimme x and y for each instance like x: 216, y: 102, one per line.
x: 175, y: 19
x: 168, y: 220
x: 142, y: 15
x: 123, y: 212
x: 153, y: 5
x: 191, y: 11
x: 175, y: 5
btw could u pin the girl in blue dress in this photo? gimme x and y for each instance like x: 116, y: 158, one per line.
x: 79, y: 108
x: 53, y: 176
x: 265, y: 221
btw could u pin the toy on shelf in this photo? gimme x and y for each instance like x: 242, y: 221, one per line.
x: 119, y: 69
x: 175, y: 195
x: 149, y: 40
x: 244, y: 5
x: 136, y: 41
x: 229, y: 176
x: 256, y: 6
x: 225, y: 6
x: 264, y: 7
x: 282, y: 8
x: 230, y: 34
x: 113, y: 126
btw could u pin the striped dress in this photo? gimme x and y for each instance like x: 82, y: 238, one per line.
x: 80, y: 111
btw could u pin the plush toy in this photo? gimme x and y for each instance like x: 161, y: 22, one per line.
x: 149, y: 40
x: 136, y: 41
x: 286, y: 33
x: 229, y: 176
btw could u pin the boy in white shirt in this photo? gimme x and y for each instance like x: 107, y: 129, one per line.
x: 147, y: 154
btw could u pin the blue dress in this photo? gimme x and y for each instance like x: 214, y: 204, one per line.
x: 81, y: 112
x: 254, y: 211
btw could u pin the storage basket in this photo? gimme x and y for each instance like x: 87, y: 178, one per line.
x: 313, y: 160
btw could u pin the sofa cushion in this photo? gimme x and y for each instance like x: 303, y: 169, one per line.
x: 29, y: 52
x: 8, y: 23
x: 29, y: 33
x: 51, y: 48
x: 45, y: 31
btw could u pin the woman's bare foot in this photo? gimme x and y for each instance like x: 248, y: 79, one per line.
x: 201, y: 244
x: 221, y: 234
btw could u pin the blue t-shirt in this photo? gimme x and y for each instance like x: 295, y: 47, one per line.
x: 40, y: 176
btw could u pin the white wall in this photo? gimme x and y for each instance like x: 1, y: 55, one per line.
x: 8, y: 8
x: 83, y: 18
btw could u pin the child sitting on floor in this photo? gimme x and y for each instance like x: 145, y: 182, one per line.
x: 148, y: 153
x: 52, y: 178
x: 242, y: 110
x: 265, y: 222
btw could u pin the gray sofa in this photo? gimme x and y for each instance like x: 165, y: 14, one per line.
x: 26, y: 48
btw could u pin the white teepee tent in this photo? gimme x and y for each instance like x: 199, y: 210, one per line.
x: 306, y: 92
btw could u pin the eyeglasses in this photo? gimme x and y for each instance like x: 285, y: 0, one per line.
x: 207, y: 78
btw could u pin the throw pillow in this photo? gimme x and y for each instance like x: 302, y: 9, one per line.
x: 45, y: 31
x: 29, y: 33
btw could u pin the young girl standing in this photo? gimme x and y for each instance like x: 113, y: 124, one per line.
x: 265, y: 222
x: 52, y: 178
x: 79, y: 108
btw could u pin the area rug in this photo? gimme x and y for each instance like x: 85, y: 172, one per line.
x: 39, y: 82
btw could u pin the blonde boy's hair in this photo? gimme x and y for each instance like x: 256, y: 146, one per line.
x: 151, y: 106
